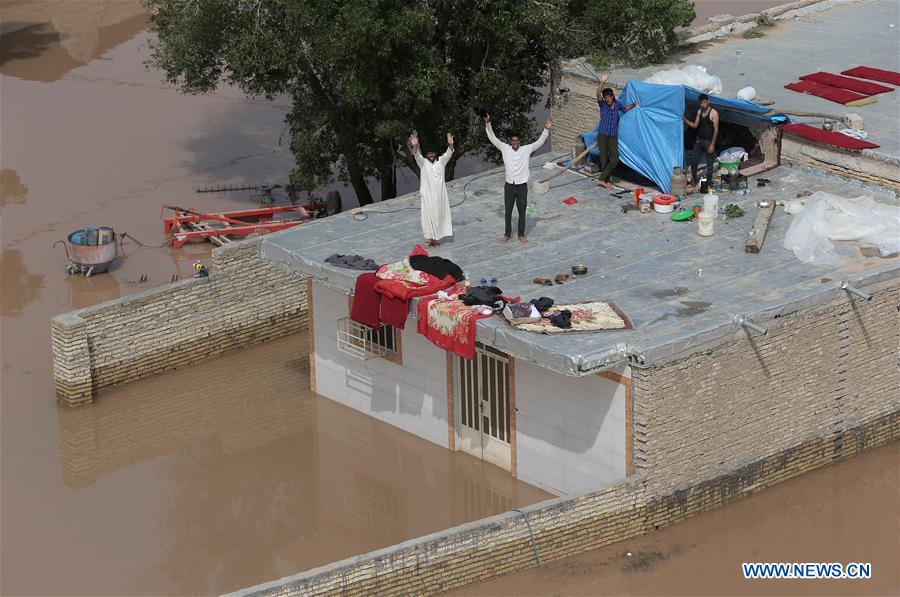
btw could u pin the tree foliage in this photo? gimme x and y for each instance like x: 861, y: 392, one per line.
x: 362, y: 74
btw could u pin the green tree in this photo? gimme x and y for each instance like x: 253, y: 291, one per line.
x: 362, y: 74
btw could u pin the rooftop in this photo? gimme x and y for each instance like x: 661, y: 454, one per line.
x: 679, y: 289
x: 844, y: 36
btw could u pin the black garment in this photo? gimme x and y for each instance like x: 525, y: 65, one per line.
x: 542, y: 303
x: 563, y: 319
x: 351, y: 262
x: 481, y: 295
x: 436, y: 266
x: 515, y: 194
x: 705, y: 129
x: 700, y: 148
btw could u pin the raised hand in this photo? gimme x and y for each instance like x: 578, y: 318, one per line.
x: 604, y: 77
x: 414, y: 140
x: 549, y: 123
x: 450, y: 139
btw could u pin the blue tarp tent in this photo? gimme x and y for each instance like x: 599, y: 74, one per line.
x: 651, y: 137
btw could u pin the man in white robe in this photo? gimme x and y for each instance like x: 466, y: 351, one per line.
x: 433, y: 188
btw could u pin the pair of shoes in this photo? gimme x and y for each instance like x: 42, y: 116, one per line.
x: 504, y: 239
x: 523, y: 240
x: 560, y: 278
x: 544, y: 281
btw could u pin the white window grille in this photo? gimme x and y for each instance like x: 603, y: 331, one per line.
x: 362, y: 342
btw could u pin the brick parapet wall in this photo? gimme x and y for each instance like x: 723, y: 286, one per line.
x: 710, y: 427
x: 245, y: 300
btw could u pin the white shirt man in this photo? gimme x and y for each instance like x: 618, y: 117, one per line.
x: 436, y: 222
x: 516, y: 159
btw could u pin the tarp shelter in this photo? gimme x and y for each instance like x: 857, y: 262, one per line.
x: 651, y: 137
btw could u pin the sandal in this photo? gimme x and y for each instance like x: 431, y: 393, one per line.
x: 543, y: 281
x: 560, y: 278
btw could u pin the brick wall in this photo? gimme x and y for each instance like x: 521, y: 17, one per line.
x: 820, y: 371
x: 709, y: 427
x: 578, y: 112
x: 244, y: 301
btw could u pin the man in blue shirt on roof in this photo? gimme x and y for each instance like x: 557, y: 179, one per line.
x: 608, y: 130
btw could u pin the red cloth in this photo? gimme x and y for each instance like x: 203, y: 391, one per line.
x: 418, y: 250
x: 366, y: 301
x: 864, y: 87
x: 839, y: 96
x: 449, y: 324
x: 828, y: 137
x: 403, y: 290
x: 875, y: 74
x: 394, y: 311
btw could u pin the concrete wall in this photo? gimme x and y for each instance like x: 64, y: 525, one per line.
x: 411, y: 395
x: 709, y: 427
x: 570, y: 431
x: 244, y: 301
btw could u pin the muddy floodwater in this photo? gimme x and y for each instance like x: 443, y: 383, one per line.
x: 230, y: 473
x: 846, y: 512
x: 203, y: 480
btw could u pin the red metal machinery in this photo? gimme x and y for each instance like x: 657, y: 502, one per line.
x: 188, y: 225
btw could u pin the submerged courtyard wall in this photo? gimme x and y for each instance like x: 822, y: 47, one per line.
x: 244, y: 301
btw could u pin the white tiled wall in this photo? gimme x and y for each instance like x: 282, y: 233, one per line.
x: 412, y: 397
x: 570, y: 432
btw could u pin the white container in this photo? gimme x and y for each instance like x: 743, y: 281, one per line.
x: 706, y: 224
x: 711, y: 204
x: 664, y: 209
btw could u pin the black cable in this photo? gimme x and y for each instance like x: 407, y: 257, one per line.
x: 136, y: 241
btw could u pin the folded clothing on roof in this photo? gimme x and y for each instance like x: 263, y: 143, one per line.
x: 864, y: 87
x: 436, y: 266
x: 481, y: 295
x: 874, y: 74
x: 543, y: 303
x: 377, y: 301
x: 351, y: 262
x: 403, y: 271
x: 593, y: 316
x: 834, y: 94
x: 521, y: 313
x: 828, y: 137
x: 448, y: 323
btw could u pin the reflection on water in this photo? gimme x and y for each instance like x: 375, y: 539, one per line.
x: 17, y: 287
x: 87, y: 292
x: 43, y: 40
x: 262, y: 479
x: 11, y: 188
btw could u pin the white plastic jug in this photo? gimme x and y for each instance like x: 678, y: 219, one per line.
x: 711, y: 205
x: 706, y: 224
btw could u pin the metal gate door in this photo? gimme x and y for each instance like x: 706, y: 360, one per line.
x: 484, y: 406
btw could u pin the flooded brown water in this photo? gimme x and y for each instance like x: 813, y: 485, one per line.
x: 845, y: 512
x: 202, y: 480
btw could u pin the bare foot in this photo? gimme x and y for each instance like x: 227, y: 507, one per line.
x: 427, y: 243
x: 608, y: 185
x: 435, y: 243
x: 523, y: 240
x: 504, y: 239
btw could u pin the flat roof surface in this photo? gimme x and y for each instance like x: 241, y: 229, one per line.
x: 833, y: 40
x: 679, y: 289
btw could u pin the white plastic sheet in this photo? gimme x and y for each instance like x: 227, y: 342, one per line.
x: 690, y: 75
x: 830, y: 217
x: 733, y: 154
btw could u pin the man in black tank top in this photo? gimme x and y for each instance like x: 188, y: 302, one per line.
x: 707, y: 124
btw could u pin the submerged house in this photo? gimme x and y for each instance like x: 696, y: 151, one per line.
x: 722, y: 357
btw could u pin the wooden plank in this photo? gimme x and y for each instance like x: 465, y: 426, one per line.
x: 757, y: 235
